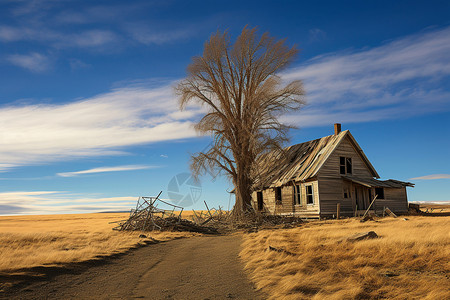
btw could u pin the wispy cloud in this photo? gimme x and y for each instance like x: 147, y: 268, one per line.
x: 40, y: 22
x: 54, y: 202
x: 91, y: 38
x: 317, y: 34
x: 76, y: 64
x: 403, y: 77
x: 34, y: 62
x: 97, y: 126
x: 94, y: 14
x: 88, y: 39
x: 50, y: 24
x: 11, y: 34
x: 432, y: 177
x: 23, y: 33
x: 106, y: 169
x: 28, y: 7
x: 148, y: 36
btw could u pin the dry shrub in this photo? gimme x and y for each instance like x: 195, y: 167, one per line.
x: 54, y: 240
x: 410, y: 260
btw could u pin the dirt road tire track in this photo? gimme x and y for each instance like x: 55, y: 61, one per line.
x: 191, y: 268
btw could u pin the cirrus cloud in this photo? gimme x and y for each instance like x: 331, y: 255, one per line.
x: 106, y: 170
x: 34, y: 62
x: 57, y: 202
x: 432, y: 177
x: 404, y: 77
x: 99, y: 126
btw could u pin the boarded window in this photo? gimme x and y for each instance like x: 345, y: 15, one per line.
x: 345, y: 165
x: 278, y: 195
x: 380, y: 192
x: 297, y: 195
x: 309, y: 194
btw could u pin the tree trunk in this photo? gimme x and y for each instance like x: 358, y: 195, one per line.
x: 242, y: 190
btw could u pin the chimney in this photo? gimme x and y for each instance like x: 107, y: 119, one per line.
x: 337, y: 128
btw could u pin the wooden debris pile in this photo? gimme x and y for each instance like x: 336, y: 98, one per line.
x: 178, y: 224
x: 212, y: 217
x: 224, y: 220
x: 152, y: 213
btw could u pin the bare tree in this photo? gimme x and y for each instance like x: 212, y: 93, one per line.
x: 244, y: 98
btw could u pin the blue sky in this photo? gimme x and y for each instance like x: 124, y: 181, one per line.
x: 89, y: 121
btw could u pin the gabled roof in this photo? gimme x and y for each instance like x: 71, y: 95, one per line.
x: 303, y: 161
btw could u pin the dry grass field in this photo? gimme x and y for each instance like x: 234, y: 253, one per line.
x: 54, y: 240
x: 409, y: 260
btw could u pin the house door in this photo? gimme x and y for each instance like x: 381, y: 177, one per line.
x: 259, y: 198
x: 360, y: 197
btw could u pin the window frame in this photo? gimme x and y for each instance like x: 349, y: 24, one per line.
x: 297, y: 194
x: 309, y: 195
x: 342, y: 169
x: 345, y: 165
x: 348, y: 165
x: 278, y: 196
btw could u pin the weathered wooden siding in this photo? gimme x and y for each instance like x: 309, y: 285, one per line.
x: 331, y: 185
x: 331, y: 167
x: 268, y: 200
x: 395, y: 198
x: 287, y: 197
x: 270, y: 205
x: 331, y: 191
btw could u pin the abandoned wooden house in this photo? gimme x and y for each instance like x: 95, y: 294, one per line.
x: 315, y: 179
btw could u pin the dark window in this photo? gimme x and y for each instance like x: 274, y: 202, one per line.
x: 278, y: 195
x: 346, y: 194
x: 342, y: 165
x: 348, y: 161
x: 379, y: 192
x: 345, y: 165
x: 259, y: 196
x: 297, y: 195
x: 309, y: 194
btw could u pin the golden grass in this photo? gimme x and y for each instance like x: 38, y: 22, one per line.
x: 410, y: 260
x: 54, y: 240
x: 435, y: 208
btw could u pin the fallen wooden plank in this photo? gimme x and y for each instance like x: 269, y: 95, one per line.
x: 389, y: 212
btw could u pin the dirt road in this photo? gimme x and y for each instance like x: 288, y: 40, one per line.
x: 191, y: 268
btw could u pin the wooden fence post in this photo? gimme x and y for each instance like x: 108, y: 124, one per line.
x: 338, y: 211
